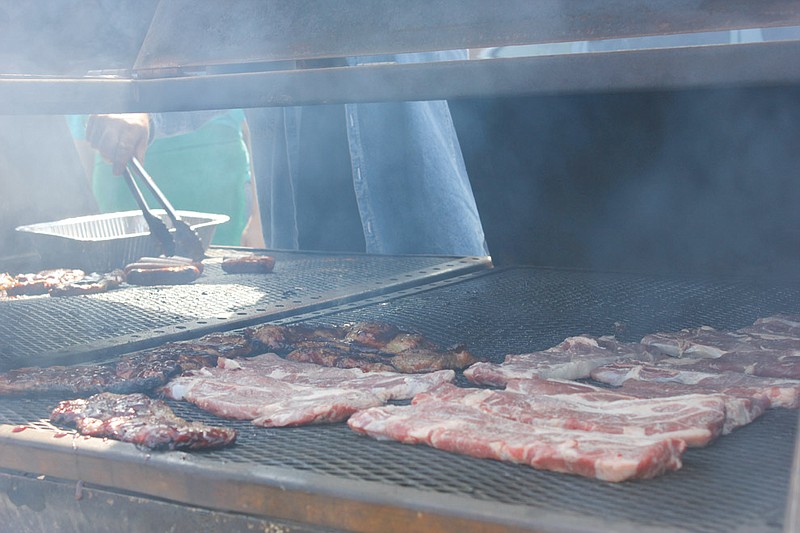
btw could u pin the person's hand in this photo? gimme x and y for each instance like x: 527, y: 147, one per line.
x: 119, y: 138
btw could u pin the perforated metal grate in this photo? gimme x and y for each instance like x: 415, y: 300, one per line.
x: 44, y: 330
x: 739, y: 482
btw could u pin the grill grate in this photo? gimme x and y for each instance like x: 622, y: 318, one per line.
x: 44, y: 330
x: 740, y: 482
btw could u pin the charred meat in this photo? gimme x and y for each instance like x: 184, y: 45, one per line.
x: 140, y: 420
x: 370, y: 346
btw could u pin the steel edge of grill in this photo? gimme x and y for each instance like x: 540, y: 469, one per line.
x: 455, y: 307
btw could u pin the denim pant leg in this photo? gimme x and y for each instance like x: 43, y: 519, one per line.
x: 410, y: 180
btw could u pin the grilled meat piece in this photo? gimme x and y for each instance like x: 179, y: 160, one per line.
x: 41, y: 282
x: 6, y: 281
x: 411, y: 361
x: 155, y: 263
x: 82, y: 379
x: 90, y: 284
x: 341, y: 355
x: 216, y: 344
x: 248, y: 264
x: 142, y: 371
x: 371, y: 334
x: 161, y: 275
x: 422, y: 360
x: 282, y: 338
x: 403, y: 342
x: 203, y: 352
x: 272, y: 391
x: 136, y: 372
x: 369, y: 346
x: 137, y: 419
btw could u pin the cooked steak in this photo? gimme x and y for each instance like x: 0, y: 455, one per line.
x: 341, y: 355
x: 140, y: 420
x: 80, y: 379
x: 136, y: 372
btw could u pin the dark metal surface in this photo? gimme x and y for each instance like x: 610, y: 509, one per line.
x: 327, y: 475
x: 244, y: 31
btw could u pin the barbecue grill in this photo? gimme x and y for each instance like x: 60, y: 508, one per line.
x: 327, y: 478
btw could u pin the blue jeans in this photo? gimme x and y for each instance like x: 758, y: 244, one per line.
x: 410, y: 182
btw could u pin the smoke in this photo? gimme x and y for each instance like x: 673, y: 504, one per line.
x: 700, y: 182
x: 72, y: 37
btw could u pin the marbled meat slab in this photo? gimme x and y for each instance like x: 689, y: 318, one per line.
x: 574, y: 358
x: 695, y: 418
x: 778, y: 327
x: 741, y: 406
x: 768, y: 348
x: 274, y: 392
x: 464, y: 429
x: 779, y: 392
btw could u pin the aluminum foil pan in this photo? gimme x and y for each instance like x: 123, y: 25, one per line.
x: 100, y: 243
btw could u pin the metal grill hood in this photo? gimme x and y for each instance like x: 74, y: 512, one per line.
x: 109, y: 56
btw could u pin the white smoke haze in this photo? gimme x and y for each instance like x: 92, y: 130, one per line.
x: 677, y: 181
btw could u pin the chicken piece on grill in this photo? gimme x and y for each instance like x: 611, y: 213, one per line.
x: 281, y: 338
x: 341, y: 355
x: 403, y: 342
x: 420, y: 360
x: 371, y: 334
x: 370, y: 346
x: 225, y: 344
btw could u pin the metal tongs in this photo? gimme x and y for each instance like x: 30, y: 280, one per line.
x: 185, y: 242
